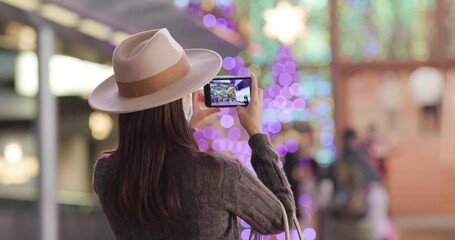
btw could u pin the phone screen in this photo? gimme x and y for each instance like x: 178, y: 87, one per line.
x: 228, y: 91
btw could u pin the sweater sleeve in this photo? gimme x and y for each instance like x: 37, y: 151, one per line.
x: 256, y: 201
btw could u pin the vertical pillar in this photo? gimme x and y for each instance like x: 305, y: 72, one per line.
x: 338, y: 80
x: 47, y: 138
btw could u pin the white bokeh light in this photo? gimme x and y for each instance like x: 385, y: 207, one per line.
x: 285, y: 23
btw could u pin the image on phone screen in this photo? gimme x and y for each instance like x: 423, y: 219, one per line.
x: 228, y: 92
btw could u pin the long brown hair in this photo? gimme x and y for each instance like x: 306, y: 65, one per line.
x: 141, y: 186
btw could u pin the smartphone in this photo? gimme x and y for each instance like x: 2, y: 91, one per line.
x: 228, y: 91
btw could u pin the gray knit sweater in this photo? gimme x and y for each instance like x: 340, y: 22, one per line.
x: 210, y: 207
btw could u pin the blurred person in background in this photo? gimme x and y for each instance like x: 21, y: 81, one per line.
x: 377, y: 151
x: 347, y: 200
x: 300, y: 166
x: 376, y: 148
x: 157, y: 184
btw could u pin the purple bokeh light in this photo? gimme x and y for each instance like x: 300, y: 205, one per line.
x: 274, y: 127
x: 243, y: 71
x: 289, y: 106
x: 279, y: 102
x: 209, y: 132
x: 239, y: 62
x: 274, y: 90
x: 287, y: 92
x: 218, y: 145
x: 309, y: 234
x: 299, y: 104
x: 244, y: 224
x: 292, y: 146
x: 285, y: 79
x: 281, y: 150
x: 227, y: 121
x: 221, y: 24
x: 290, y: 67
x: 326, y: 139
x: 198, y: 134
x: 231, y: 26
x: 209, y: 20
x: 296, y: 89
x: 228, y: 63
x: 277, y: 69
x: 245, y: 234
x: 234, y: 133
x: 305, y: 200
x: 267, y: 102
x: 203, y: 144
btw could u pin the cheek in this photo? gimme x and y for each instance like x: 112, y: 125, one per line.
x: 186, y: 104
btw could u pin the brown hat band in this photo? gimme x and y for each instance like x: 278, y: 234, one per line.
x: 156, y: 82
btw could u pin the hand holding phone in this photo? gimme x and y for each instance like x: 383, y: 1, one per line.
x: 228, y: 91
x: 200, y: 112
x: 251, y: 117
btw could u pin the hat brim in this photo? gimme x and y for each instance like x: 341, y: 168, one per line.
x: 205, y: 64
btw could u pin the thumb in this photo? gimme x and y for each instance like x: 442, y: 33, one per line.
x: 211, y: 111
x: 240, y: 110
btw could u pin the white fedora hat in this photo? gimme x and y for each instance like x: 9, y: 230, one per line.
x: 152, y: 69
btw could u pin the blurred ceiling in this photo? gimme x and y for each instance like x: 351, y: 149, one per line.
x: 129, y: 16
x: 124, y: 16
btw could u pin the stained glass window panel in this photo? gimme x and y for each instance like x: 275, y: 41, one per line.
x: 384, y: 30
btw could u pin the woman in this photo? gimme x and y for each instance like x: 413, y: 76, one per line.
x: 157, y: 184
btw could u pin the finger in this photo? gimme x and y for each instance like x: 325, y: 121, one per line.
x: 204, y: 112
x: 200, y: 96
x: 194, y: 96
x: 211, y: 111
x: 260, y: 95
x: 254, y: 87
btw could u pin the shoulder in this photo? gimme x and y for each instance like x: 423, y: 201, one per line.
x: 101, y: 162
x: 100, y: 169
